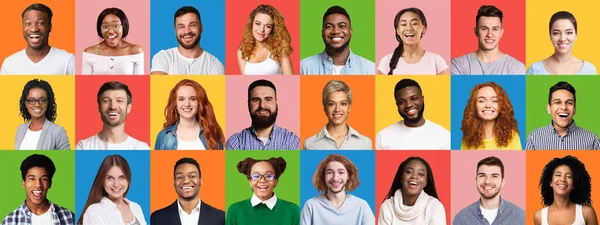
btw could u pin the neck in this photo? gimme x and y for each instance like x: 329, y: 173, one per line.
x: 113, y: 134
x: 560, y: 130
x: 336, y: 130
x: 493, y: 203
x: 265, y: 132
x: 409, y: 200
x: 561, y: 202
x: 489, y: 56
x: 488, y: 128
x: 336, y: 199
x: 118, y: 201
x: 37, y: 54
x: 38, y: 209
x: 266, y: 198
x: 562, y: 57
x: 418, y: 123
x: 412, y: 50
x: 191, y: 53
x: 188, y: 123
x: 188, y: 205
x: 339, y: 57
x: 260, y: 45
x: 37, y: 123
x: 106, y: 46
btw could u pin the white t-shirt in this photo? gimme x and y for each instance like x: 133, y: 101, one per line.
x: 189, y: 219
x: 190, y: 145
x: 30, y: 140
x: 489, y: 214
x: 94, y: 143
x: 43, y: 219
x: 172, y: 62
x: 57, y: 61
x: 120, y: 65
x: 430, y: 136
x: 337, y: 70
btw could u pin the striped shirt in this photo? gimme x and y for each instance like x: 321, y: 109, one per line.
x: 22, y: 216
x: 279, y: 139
x: 577, y: 138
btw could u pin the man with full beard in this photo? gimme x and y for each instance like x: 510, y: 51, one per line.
x: 188, y: 209
x: 337, y: 58
x: 187, y: 58
x: 414, y: 132
x: 335, y: 175
x: 263, y: 134
x: 491, y: 208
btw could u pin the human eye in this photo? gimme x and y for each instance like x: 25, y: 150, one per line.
x: 270, y: 176
x: 104, y: 27
x: 179, y: 177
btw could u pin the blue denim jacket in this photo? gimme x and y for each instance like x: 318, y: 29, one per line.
x: 167, y: 139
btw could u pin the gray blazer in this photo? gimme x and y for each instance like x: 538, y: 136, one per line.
x: 53, y: 137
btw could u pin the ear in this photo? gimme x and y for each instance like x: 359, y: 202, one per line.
x: 548, y: 109
x: 49, y: 27
x: 424, y: 31
x: 503, y: 182
x: 23, y: 183
x: 501, y: 31
x: 200, y: 182
x: 475, y: 31
x: 128, y: 108
x: 201, y: 28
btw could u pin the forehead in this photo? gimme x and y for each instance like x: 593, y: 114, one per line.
x: 337, y: 96
x: 262, y: 167
x: 336, y: 18
x: 416, y: 164
x: 183, y: 90
x: 489, y: 169
x: 114, y: 171
x: 409, y: 16
x: 489, y: 21
x: 486, y: 91
x: 114, y: 94
x: 186, y: 167
x: 407, y: 92
x: 111, y: 18
x: 36, y: 170
x: 563, y: 169
x: 187, y: 18
x: 37, y: 91
x: 262, y: 91
x: 563, y: 24
x: 562, y: 94
x: 262, y: 17
x: 35, y: 14
x: 335, y: 165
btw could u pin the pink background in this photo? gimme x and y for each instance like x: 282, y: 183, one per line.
x: 464, y: 169
x: 437, y: 36
x: 288, y: 98
x: 138, y: 14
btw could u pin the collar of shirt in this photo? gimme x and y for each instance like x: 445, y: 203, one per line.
x: 109, y: 204
x: 326, y: 58
x: 197, y: 208
x: 28, y: 212
x: 270, y: 202
x: 570, y: 129
x: 273, y: 132
x: 501, y: 208
x: 324, y: 133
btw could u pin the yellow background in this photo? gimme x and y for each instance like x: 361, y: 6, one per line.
x: 160, y: 87
x: 436, y: 90
x: 12, y: 87
x: 538, y: 41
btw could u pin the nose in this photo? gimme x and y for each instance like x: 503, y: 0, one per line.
x: 263, y: 104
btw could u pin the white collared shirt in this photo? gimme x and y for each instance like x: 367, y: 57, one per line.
x: 106, y: 212
x: 269, y: 202
x: 189, y: 219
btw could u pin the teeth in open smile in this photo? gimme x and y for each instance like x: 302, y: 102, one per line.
x: 113, y: 114
x: 35, y: 36
x: 563, y: 115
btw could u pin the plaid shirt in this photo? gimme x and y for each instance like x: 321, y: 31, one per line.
x: 22, y: 216
x: 279, y: 139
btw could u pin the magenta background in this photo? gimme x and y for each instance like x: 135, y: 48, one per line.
x: 138, y: 14
x: 288, y: 98
x: 437, y: 36
x: 464, y: 169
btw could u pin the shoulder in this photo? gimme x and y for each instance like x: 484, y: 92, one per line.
x: 95, y: 208
x: 166, y: 52
x: 61, y: 52
x: 466, y: 211
x: 310, y: 59
x: 357, y: 201
x: 514, y: 61
x: 462, y: 58
x: 537, y: 217
x: 588, y: 211
x: 288, y: 205
x: 23, y: 127
x: 288, y: 134
x: 387, y: 58
x: 135, y: 49
x: 94, y: 49
x: 63, y: 211
x: 309, y: 142
x: 437, y: 127
x: 212, y: 209
x: 15, y: 56
x: 391, y: 129
x: 240, y: 205
x: 433, y: 55
x: 135, y: 207
x: 12, y: 215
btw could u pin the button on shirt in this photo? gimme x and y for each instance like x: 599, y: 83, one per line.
x: 189, y: 219
x: 324, y: 141
x: 279, y: 139
x: 322, y: 64
x: 577, y: 138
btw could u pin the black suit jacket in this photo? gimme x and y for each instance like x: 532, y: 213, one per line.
x: 170, y: 215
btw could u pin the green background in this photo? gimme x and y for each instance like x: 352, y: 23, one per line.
x: 586, y: 106
x: 238, y: 188
x: 362, y: 19
x: 62, y: 191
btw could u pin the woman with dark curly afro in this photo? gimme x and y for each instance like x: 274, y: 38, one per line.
x: 264, y: 207
x: 489, y: 120
x: 566, y: 192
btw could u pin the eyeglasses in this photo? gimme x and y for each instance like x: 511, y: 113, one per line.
x: 258, y: 177
x: 114, y: 27
x: 32, y: 101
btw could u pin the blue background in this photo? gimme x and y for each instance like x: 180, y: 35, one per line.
x: 162, y: 25
x: 364, y: 161
x: 87, y: 164
x: 461, y: 90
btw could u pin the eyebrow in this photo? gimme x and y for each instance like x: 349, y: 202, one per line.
x: 404, y: 20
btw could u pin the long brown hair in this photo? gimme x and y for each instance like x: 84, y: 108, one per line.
x: 97, y: 191
x: 205, y: 115
x: 319, y: 176
x: 504, y: 128
x: 278, y: 41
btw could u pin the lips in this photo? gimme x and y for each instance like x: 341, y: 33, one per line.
x: 411, y: 112
x: 563, y: 115
x: 37, y: 194
x: 563, y: 45
x: 336, y: 39
x: 187, y: 188
x: 262, y: 187
x: 413, y: 184
x: 489, y: 41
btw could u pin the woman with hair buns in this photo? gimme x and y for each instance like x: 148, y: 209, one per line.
x: 263, y: 207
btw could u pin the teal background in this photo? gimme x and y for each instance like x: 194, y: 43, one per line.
x: 586, y: 105
x: 362, y: 19
x: 62, y: 191
x: 238, y: 188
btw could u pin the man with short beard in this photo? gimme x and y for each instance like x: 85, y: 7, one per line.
x: 263, y: 134
x: 491, y: 208
x: 337, y: 58
x: 188, y: 209
x: 414, y: 132
x: 187, y: 58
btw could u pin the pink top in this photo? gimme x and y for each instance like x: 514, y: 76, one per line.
x: 430, y: 64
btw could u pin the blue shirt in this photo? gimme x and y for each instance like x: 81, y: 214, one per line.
x: 538, y: 69
x: 22, y: 216
x: 322, y: 64
x: 167, y: 139
x: 279, y: 139
x: 354, y: 211
x: 508, y: 213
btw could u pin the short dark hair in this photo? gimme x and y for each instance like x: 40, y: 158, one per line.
x: 190, y: 161
x: 114, y: 85
x: 37, y: 160
x: 404, y: 83
x: 492, y: 161
x: 261, y: 82
x: 336, y: 9
x: 245, y: 166
x: 42, y: 84
x: 488, y: 11
x: 185, y: 10
x: 562, y: 85
x: 117, y: 12
x: 39, y: 7
x: 562, y: 15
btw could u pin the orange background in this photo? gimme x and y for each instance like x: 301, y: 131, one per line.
x: 362, y: 113
x: 212, y: 167
x: 63, y: 25
x: 536, y: 160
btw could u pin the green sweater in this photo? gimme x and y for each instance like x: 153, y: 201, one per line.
x: 284, y: 213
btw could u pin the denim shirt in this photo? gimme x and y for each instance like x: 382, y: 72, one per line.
x: 508, y: 213
x: 322, y: 64
x: 167, y: 139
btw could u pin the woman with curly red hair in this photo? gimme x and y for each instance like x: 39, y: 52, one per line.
x: 489, y: 120
x: 265, y: 47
